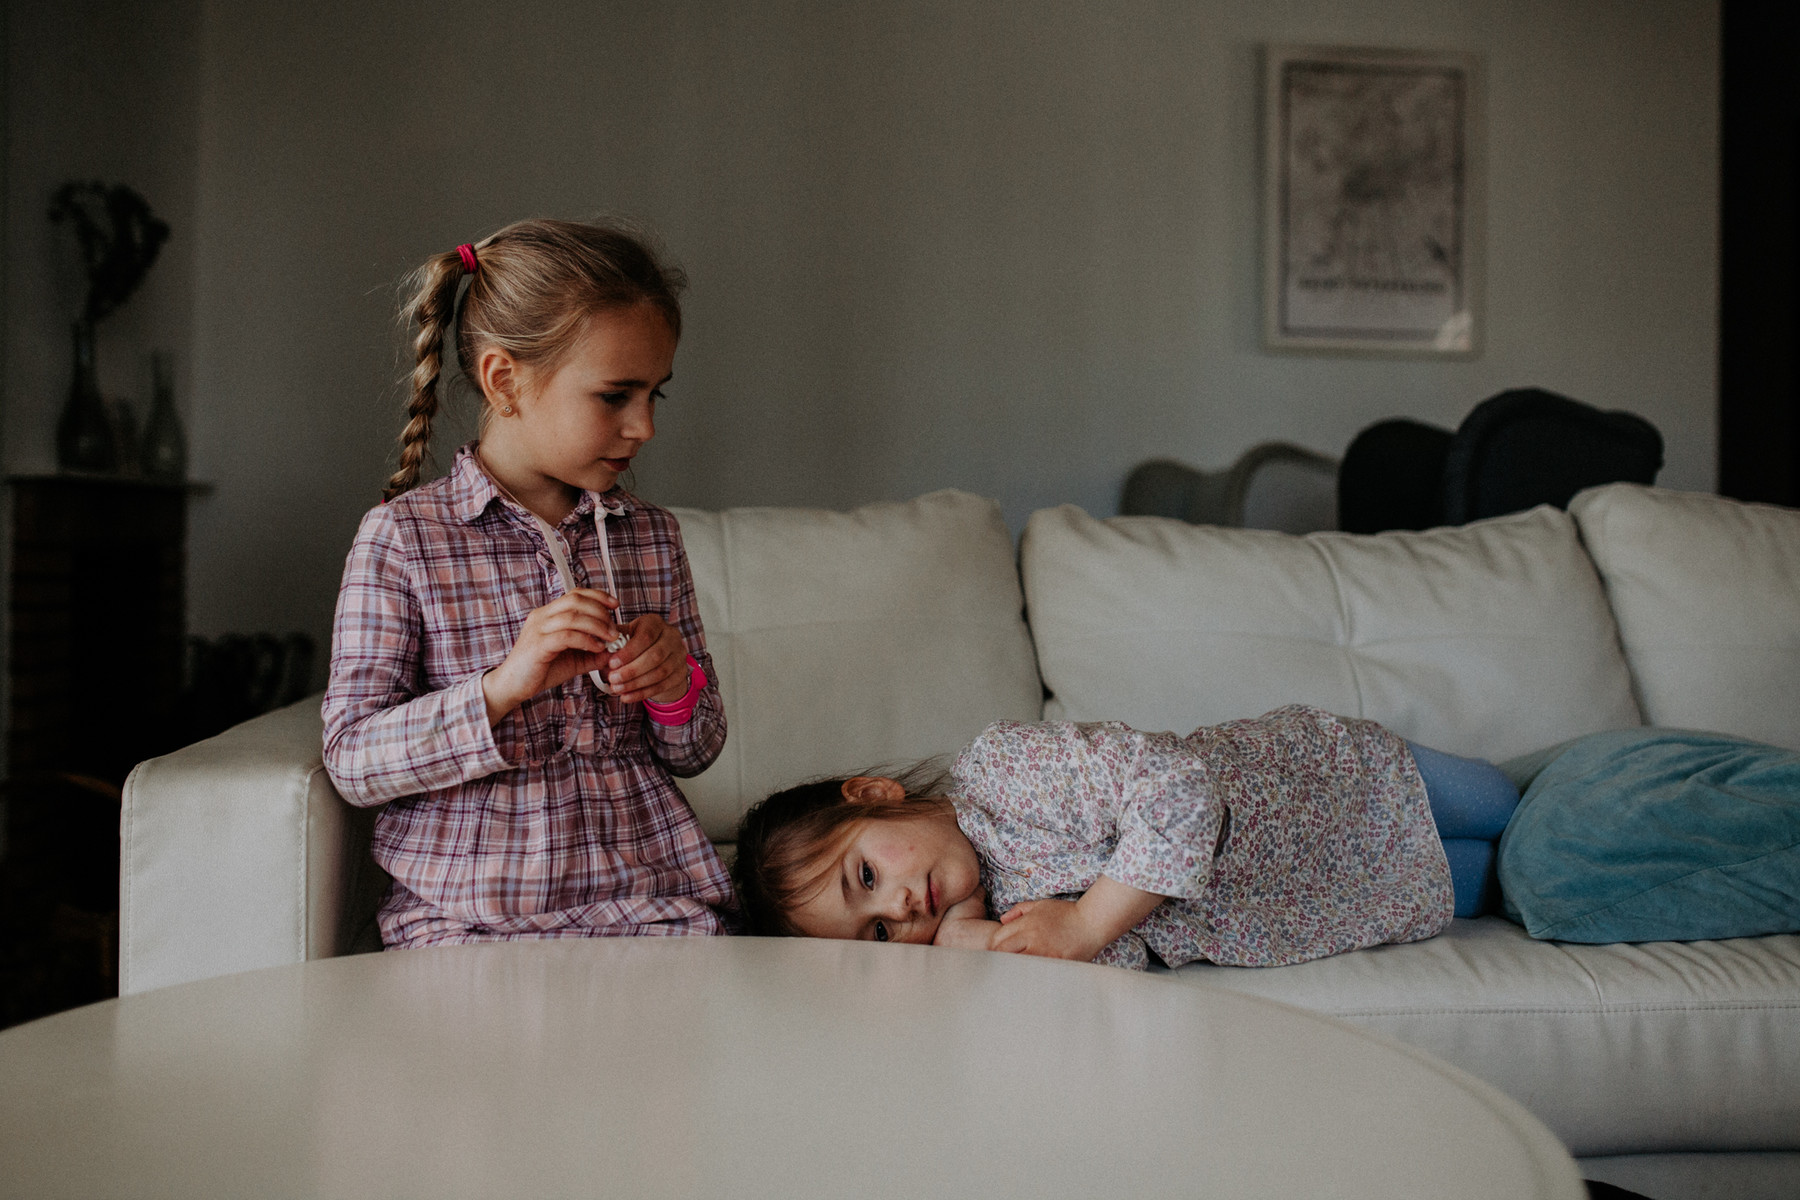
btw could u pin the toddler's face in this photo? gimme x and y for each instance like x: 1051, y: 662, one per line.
x: 892, y: 881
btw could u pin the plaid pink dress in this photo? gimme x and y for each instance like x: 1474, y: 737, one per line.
x: 562, y: 821
x: 1291, y: 836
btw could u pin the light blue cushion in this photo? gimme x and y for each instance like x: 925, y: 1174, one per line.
x: 1656, y: 835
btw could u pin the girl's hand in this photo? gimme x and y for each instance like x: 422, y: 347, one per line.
x: 565, y: 638
x: 652, y: 665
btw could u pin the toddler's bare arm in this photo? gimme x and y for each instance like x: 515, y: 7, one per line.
x: 965, y: 924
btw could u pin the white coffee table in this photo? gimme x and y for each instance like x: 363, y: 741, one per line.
x: 739, y: 1067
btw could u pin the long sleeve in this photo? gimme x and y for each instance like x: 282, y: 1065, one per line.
x: 386, y: 736
x: 691, y: 747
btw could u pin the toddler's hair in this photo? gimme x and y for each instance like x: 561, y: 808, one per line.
x: 533, y: 285
x: 782, y: 838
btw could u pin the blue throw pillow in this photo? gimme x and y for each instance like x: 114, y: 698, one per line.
x: 1656, y: 835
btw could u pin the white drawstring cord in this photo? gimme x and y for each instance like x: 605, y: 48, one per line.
x: 602, y: 511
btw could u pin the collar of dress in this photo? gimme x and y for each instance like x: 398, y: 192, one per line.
x: 473, y: 490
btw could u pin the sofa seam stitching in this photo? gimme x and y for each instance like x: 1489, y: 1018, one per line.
x: 725, y: 562
x: 127, y: 831
x: 306, y: 921
x: 1568, y: 1010
x: 305, y: 856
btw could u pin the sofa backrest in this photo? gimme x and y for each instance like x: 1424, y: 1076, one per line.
x: 1492, y: 639
x: 846, y: 640
x: 1707, y: 595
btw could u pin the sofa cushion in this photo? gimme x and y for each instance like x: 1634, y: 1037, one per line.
x: 1625, y: 1049
x: 1491, y: 639
x: 849, y: 640
x: 1707, y: 595
x: 1645, y: 834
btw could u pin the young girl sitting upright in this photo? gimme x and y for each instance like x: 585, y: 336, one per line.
x: 517, y: 665
x: 1259, y: 842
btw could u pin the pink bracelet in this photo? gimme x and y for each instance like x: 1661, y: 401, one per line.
x: 680, y: 712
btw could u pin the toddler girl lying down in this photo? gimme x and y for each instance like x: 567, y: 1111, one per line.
x: 1259, y: 842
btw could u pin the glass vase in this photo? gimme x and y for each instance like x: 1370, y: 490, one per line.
x: 165, y: 446
x: 84, y: 435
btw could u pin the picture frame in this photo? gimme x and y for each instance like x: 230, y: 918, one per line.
x: 1373, y: 201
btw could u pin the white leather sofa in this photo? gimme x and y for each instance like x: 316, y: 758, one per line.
x: 846, y: 640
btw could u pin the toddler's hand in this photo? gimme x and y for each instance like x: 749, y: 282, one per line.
x: 1049, y: 928
x: 967, y: 933
x: 1071, y: 929
x: 652, y: 665
x: 965, y: 924
x: 565, y: 638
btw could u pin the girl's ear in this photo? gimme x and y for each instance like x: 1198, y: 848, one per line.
x: 497, y: 374
x: 873, y: 789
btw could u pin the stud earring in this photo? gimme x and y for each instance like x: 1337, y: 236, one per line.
x: 507, y: 410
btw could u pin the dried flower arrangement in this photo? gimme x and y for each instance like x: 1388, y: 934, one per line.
x: 119, y: 238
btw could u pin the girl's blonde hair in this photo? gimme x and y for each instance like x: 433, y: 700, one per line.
x: 534, y: 285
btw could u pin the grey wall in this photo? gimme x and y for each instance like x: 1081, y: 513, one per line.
x: 94, y: 89
x: 108, y: 90
x: 1005, y: 247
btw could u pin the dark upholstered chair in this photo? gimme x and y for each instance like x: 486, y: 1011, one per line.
x: 1519, y: 449
x: 1392, y: 477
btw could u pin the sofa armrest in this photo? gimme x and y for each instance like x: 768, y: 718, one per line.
x: 237, y: 852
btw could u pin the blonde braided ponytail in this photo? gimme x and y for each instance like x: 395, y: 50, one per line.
x: 433, y: 309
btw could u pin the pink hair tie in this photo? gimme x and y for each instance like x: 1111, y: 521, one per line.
x: 467, y: 253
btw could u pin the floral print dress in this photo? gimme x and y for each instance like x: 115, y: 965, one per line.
x: 1278, y: 839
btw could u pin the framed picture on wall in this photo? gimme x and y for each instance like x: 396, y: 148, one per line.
x: 1372, y: 210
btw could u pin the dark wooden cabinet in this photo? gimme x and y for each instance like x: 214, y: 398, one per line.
x: 98, y: 622
x: 98, y: 646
